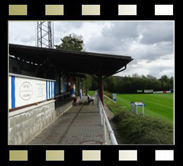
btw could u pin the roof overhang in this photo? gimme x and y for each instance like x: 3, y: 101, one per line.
x: 80, y: 75
x: 72, y: 61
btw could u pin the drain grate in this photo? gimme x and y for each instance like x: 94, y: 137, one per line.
x: 90, y: 143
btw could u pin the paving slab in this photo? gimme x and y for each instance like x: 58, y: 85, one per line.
x: 78, y: 126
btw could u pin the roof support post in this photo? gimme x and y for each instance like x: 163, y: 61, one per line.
x: 78, y: 86
x: 67, y: 83
x: 100, y: 88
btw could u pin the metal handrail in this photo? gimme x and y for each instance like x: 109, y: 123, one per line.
x: 105, y: 123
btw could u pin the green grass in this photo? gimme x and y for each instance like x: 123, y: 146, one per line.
x: 135, y: 129
x: 156, y: 105
x: 91, y: 93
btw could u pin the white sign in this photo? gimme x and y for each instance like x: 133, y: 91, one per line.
x: 28, y: 91
x: 148, y: 90
x: 157, y: 91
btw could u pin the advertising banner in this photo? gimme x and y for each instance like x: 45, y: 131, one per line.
x: 23, y: 90
x: 158, y: 92
x: 148, y: 90
x: 29, y: 91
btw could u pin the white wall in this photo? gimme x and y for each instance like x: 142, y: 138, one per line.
x: 25, y: 124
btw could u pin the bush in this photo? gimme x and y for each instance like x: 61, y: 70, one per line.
x: 138, y: 129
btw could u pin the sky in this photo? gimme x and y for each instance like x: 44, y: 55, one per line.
x: 149, y: 43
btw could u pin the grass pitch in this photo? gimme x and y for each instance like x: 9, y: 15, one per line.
x: 156, y: 105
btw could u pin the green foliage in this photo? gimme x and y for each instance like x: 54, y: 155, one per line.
x: 94, y: 84
x: 129, y: 84
x: 74, y: 42
x: 136, y: 129
x: 144, y: 130
x: 71, y: 42
x: 87, y: 81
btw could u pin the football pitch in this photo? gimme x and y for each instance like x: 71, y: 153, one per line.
x: 156, y: 105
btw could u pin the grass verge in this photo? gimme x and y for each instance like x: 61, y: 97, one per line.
x: 136, y: 129
x: 91, y: 93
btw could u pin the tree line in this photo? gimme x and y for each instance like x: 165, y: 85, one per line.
x: 130, y: 84
x: 116, y: 84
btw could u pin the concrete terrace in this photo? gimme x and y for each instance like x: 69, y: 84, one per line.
x: 79, y: 125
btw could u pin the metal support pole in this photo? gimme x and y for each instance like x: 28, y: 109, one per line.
x: 100, y: 88
x: 98, y: 100
x: 101, y: 114
x: 105, y: 141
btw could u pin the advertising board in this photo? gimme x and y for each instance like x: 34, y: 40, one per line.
x: 24, y: 91
x: 148, y: 90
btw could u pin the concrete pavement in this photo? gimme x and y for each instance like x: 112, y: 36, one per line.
x: 79, y: 125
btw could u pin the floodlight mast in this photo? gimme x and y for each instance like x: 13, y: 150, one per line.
x: 45, y: 34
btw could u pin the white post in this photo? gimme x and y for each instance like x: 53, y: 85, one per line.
x: 101, y: 114
x: 104, y: 131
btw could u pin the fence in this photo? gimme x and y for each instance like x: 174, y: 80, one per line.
x: 110, y: 99
x: 105, y: 123
x: 161, y: 91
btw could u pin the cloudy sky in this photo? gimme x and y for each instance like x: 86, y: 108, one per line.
x: 149, y: 43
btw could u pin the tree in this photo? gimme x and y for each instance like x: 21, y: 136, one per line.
x: 74, y: 42
x: 165, y: 82
x: 87, y: 83
x: 151, y: 77
x: 71, y: 42
x: 135, y: 75
x: 110, y: 84
x: 127, y: 84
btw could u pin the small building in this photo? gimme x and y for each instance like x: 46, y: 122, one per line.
x: 137, y: 108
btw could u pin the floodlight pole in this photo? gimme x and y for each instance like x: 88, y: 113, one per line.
x: 45, y: 34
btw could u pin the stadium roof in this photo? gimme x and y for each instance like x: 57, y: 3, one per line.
x: 72, y: 61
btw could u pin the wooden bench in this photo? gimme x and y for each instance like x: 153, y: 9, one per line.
x: 90, y: 99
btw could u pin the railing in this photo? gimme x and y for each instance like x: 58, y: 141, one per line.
x: 105, y: 123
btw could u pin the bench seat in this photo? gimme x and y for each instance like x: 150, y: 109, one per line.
x: 90, y: 99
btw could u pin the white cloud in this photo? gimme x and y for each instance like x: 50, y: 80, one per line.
x: 21, y: 32
x: 150, y: 43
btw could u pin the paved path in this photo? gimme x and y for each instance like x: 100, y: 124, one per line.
x: 79, y: 125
